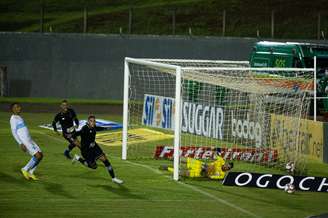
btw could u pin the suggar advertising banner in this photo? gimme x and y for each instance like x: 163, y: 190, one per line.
x: 203, y: 120
x: 240, y: 126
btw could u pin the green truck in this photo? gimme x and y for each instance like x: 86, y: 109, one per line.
x: 282, y: 55
x: 289, y: 54
x: 294, y: 54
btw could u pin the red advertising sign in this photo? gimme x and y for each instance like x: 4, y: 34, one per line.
x: 259, y: 155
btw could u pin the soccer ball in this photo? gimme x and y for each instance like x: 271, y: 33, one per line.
x: 290, y: 167
x: 289, y: 188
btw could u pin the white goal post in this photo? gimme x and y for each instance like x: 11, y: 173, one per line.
x: 244, y: 97
x: 177, y: 69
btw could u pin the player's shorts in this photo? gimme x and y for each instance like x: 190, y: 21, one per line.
x: 193, y: 163
x: 32, y: 148
x: 195, y: 173
x: 92, y: 154
x: 194, y: 167
x: 70, y: 137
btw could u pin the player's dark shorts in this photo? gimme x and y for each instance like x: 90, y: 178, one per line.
x: 70, y: 137
x: 92, y: 154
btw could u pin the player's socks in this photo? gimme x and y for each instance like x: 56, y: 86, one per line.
x: 31, y: 164
x: 80, y: 159
x: 68, y: 150
x: 31, y: 174
x: 31, y: 171
x: 67, y: 154
x: 70, y: 147
x: 109, y: 168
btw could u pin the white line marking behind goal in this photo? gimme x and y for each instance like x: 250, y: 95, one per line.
x: 180, y: 183
x: 197, y: 190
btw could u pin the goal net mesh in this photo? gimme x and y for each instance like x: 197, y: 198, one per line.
x: 246, y: 114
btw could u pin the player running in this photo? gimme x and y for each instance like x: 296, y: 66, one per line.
x: 196, y: 168
x: 67, y: 117
x: 23, y: 138
x: 90, y: 150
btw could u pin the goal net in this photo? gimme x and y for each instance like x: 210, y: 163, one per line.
x: 194, y: 108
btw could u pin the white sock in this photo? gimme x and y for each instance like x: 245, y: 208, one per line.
x: 31, y: 171
x: 30, y: 164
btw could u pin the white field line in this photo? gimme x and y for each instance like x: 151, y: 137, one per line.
x: 197, y: 190
x: 49, y: 136
x: 156, y: 171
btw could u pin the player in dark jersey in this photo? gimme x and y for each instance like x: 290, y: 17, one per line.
x: 67, y: 118
x: 91, y: 151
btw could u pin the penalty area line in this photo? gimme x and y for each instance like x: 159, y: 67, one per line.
x: 196, y: 190
x: 156, y: 171
x: 49, y: 136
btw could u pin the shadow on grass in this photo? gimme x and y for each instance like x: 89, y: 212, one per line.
x: 13, y: 180
x: 53, y: 188
x: 60, y: 156
x: 119, y: 190
x: 89, y: 174
x: 56, y: 189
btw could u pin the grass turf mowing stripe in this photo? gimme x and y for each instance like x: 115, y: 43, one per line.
x: 181, y: 183
x: 197, y: 190
x: 101, y: 200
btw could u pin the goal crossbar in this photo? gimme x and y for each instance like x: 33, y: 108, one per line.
x: 203, y: 74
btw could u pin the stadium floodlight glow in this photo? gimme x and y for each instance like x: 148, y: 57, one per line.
x: 224, y: 104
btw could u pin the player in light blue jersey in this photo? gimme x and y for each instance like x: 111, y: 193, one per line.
x: 23, y: 138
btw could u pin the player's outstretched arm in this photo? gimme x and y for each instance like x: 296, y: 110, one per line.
x: 76, y: 120
x: 79, y: 133
x: 13, y: 127
x: 54, y: 124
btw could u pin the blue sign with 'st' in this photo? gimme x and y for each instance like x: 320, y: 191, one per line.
x: 148, y: 112
x: 167, y: 113
x: 158, y: 111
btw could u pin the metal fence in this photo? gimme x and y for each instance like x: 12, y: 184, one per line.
x: 267, y: 19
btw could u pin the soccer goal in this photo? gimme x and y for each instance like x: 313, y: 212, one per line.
x: 182, y: 108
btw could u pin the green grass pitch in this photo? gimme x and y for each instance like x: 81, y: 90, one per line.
x: 67, y: 190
